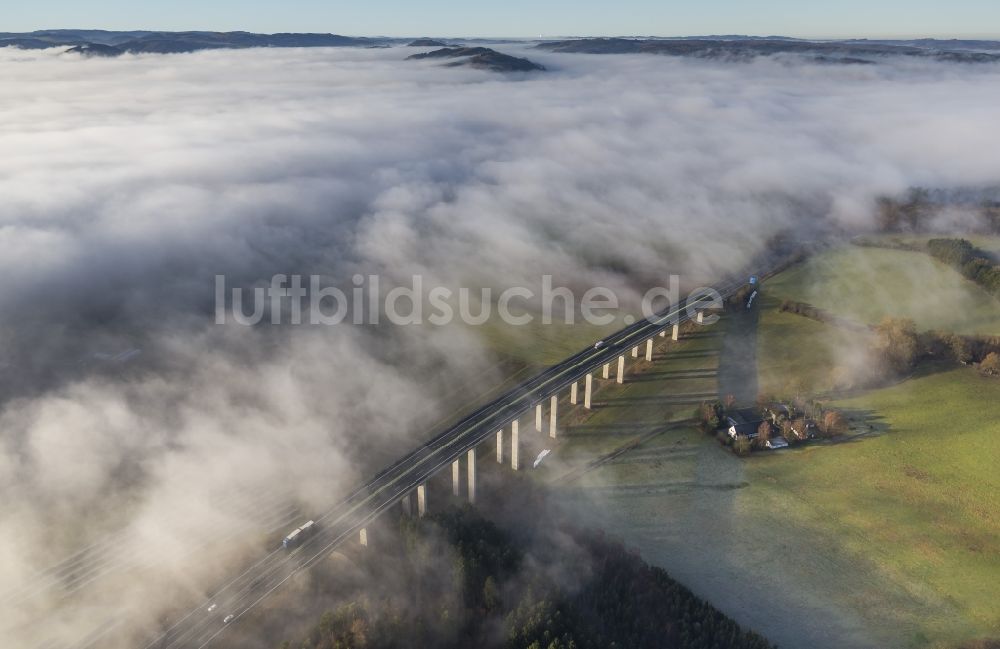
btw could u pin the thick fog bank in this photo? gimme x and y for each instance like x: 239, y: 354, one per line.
x: 128, y: 184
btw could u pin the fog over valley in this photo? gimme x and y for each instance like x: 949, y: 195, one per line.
x: 128, y: 184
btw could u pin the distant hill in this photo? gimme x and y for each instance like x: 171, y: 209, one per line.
x: 936, y: 43
x: 426, y: 42
x: 55, y: 37
x: 94, y: 49
x: 176, y: 42
x: 739, y: 49
x: 92, y: 43
x: 480, y: 57
x: 96, y: 42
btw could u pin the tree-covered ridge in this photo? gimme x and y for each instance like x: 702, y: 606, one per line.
x: 471, y: 583
x: 974, y: 264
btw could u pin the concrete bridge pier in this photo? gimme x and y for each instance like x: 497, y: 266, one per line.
x: 456, y: 472
x: 606, y: 371
x: 649, y: 350
x: 663, y: 333
x: 621, y: 369
x: 500, y: 446
x: 515, y: 456
x: 553, y: 409
x: 471, y: 468
x: 635, y: 352
x: 363, y: 537
x: 421, y: 500
x: 573, y: 393
x: 701, y: 317
x: 677, y: 333
x: 588, y: 386
x: 406, y: 504
x: 538, y: 418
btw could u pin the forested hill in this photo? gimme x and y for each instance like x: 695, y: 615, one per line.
x: 500, y: 588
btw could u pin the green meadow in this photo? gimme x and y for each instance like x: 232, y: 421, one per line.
x: 911, y: 497
x: 889, y: 537
x: 868, y: 284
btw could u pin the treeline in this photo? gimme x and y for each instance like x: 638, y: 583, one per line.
x: 888, y: 244
x: 468, y: 582
x: 897, y: 346
x: 973, y: 263
x: 915, y: 212
x: 807, y: 310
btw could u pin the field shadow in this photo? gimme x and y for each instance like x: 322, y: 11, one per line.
x: 675, y: 375
x: 738, y: 361
x: 698, y: 335
x: 680, y: 399
x: 597, y: 430
x: 692, y: 353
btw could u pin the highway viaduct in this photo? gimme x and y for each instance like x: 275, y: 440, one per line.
x: 497, y: 424
x: 545, y: 411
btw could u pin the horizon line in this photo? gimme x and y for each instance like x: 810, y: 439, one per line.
x: 898, y: 36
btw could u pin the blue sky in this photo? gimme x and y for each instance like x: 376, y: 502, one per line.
x: 874, y: 18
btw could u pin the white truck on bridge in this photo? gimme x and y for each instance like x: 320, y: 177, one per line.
x: 298, y: 535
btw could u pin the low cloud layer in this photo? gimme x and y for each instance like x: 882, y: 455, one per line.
x: 128, y: 184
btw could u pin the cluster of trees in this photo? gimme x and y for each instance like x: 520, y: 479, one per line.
x: 624, y: 603
x: 710, y: 416
x: 794, y: 419
x: 974, y: 264
x: 888, y: 244
x: 964, y: 349
x: 798, y: 419
x: 990, y: 366
x: 915, y: 211
x: 910, y: 213
x: 807, y: 310
x: 899, y: 347
x: 991, y: 216
x: 546, y: 585
x: 896, y: 346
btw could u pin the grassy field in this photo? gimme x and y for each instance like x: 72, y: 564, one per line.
x: 888, y: 539
x: 796, y: 351
x: 867, y: 284
x: 913, y: 502
x: 908, y: 509
x: 689, y: 505
x: 799, y: 356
